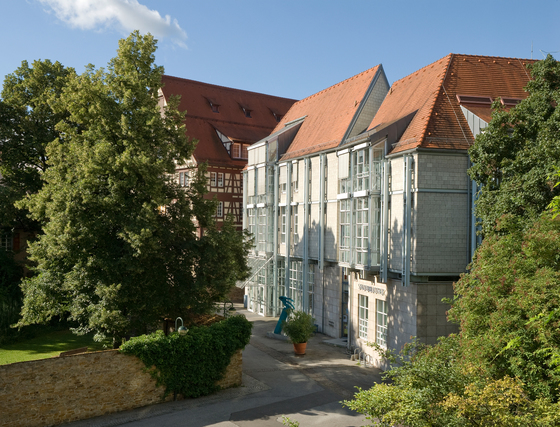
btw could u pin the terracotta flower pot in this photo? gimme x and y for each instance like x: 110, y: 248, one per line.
x: 300, y: 348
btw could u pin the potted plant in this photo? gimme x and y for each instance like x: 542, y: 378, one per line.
x: 299, y: 327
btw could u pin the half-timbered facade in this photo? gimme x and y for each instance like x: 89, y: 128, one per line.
x: 225, y: 122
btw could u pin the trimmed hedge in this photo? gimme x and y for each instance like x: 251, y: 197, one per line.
x: 192, y: 364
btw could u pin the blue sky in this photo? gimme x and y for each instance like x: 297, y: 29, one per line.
x: 286, y: 48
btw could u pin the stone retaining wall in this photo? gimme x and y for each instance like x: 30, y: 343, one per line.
x: 63, y: 389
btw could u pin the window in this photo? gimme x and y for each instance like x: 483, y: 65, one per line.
x: 244, y: 153
x: 361, y: 169
x: 295, y: 176
x: 220, y: 179
x: 236, y: 151
x: 6, y: 242
x: 183, y: 179
x: 252, y: 221
x: 283, y: 224
x: 295, y: 224
x: 361, y: 230
x: 261, y: 230
x: 344, y: 249
x: 296, y: 283
x: 220, y: 210
x: 213, y: 179
x: 363, y: 316
x: 215, y: 107
x: 381, y: 323
x: 283, y: 187
x: 310, y: 285
x: 377, y: 168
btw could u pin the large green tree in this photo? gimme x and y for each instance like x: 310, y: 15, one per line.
x: 515, y: 156
x: 27, y: 125
x: 119, y: 249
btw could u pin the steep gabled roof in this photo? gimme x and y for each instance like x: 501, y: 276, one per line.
x: 437, y: 91
x: 233, y: 106
x: 328, y: 114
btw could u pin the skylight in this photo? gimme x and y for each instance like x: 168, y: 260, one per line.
x: 469, y: 99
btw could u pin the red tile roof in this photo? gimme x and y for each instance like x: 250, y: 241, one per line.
x: 201, y: 121
x: 432, y: 92
x: 328, y: 114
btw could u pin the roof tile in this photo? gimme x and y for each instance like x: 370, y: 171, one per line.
x: 328, y: 114
x: 201, y: 121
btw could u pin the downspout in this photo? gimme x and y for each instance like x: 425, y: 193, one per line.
x: 288, y: 227
x: 384, y: 244
x: 305, y: 272
x: 244, y: 207
x: 275, y: 212
x: 322, y: 201
x: 407, y: 205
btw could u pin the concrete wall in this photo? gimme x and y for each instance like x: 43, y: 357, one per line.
x: 63, y: 389
x: 441, y: 216
x: 432, y: 312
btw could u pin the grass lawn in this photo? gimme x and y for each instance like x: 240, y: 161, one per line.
x: 45, y: 346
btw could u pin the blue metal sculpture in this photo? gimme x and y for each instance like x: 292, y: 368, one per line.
x: 288, y: 305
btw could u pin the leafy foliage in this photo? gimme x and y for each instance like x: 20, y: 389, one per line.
x: 508, y: 307
x: 119, y: 249
x: 515, y: 156
x: 192, y: 364
x: 299, y: 326
x: 27, y: 126
x: 10, y: 293
x: 438, y: 386
x: 420, y: 378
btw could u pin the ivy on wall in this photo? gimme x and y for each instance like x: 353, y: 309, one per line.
x: 192, y: 364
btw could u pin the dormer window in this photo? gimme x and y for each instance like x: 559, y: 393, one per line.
x: 246, y: 111
x: 468, y: 99
x: 215, y: 107
x: 510, y: 102
x: 239, y: 151
x: 277, y: 116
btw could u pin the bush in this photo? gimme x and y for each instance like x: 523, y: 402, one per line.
x: 299, y: 327
x: 192, y: 364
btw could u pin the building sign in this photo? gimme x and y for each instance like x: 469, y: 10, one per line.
x: 371, y: 289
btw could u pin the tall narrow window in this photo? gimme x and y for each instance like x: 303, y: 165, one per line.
x: 310, y: 285
x: 344, y: 248
x: 261, y: 230
x: 296, y: 283
x: 361, y: 230
x: 220, y: 210
x: 213, y: 179
x: 220, y: 179
x: 244, y: 154
x: 236, y: 151
x: 283, y: 224
x: 361, y: 170
x: 363, y: 316
x: 252, y: 221
x: 295, y: 224
x: 381, y: 338
x: 6, y: 242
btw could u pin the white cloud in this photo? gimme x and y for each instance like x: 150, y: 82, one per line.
x: 129, y: 15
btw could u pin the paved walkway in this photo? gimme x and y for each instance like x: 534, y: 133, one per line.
x: 276, y: 383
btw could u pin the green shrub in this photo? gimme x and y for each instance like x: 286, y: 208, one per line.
x: 192, y: 364
x: 299, y: 327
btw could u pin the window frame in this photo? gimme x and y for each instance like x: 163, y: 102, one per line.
x: 363, y: 316
x: 381, y: 322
